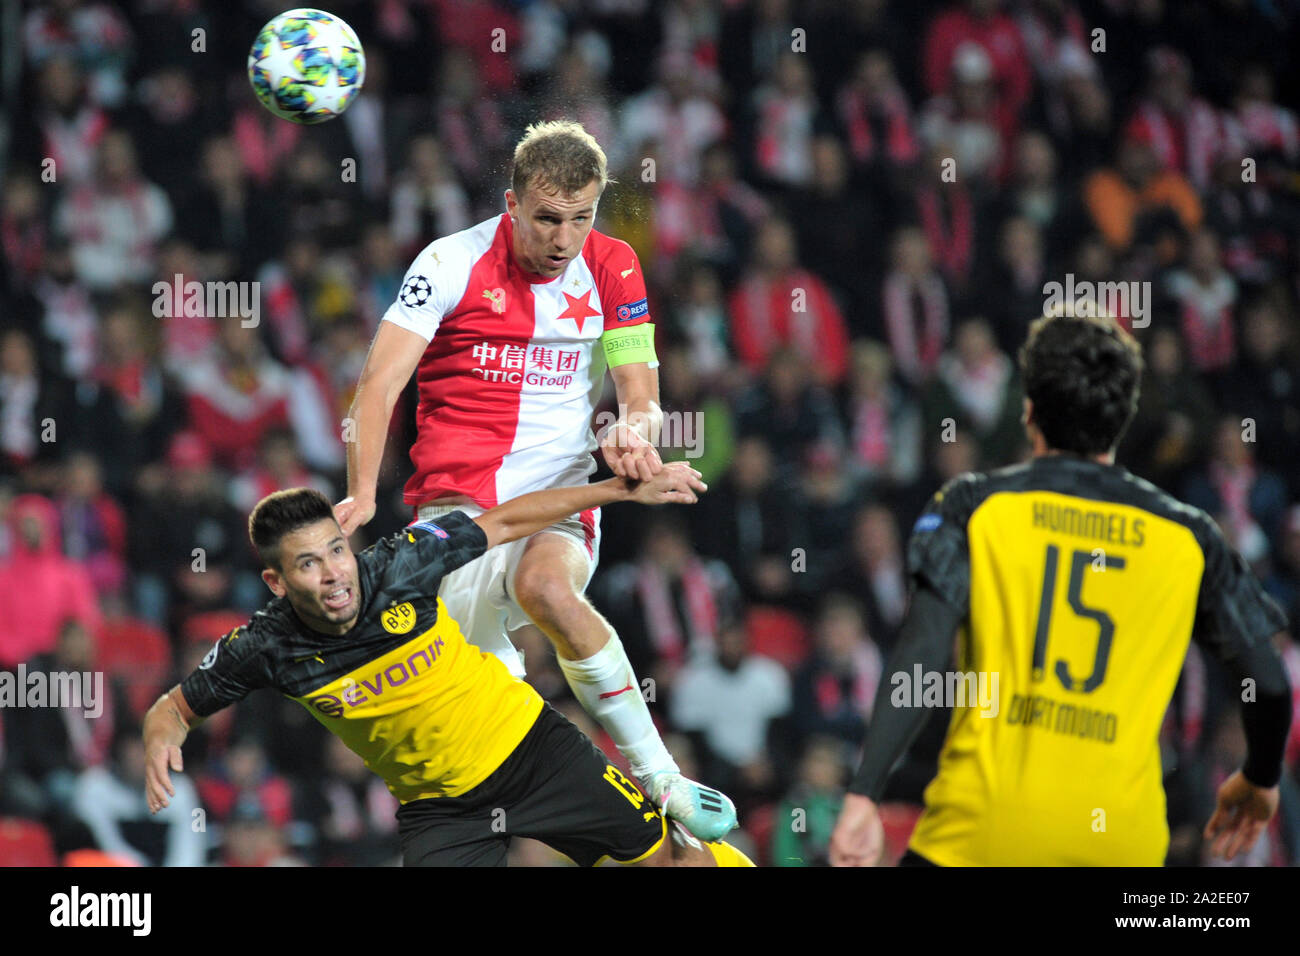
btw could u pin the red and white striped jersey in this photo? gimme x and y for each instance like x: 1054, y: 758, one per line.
x: 508, y: 384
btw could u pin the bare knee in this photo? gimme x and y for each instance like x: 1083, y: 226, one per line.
x: 547, y: 596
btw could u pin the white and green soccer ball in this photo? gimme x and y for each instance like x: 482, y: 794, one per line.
x: 306, y: 65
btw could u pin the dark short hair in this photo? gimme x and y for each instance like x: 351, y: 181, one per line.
x: 281, y: 513
x: 1083, y: 375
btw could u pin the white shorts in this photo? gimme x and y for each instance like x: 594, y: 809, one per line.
x: 481, y: 595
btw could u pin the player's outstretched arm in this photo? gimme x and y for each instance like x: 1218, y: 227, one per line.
x: 518, y: 518
x: 166, y: 726
x: 393, y: 356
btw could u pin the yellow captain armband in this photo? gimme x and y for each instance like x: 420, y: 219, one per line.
x: 635, y: 343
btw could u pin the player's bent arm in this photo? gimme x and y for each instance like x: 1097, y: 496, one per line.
x: 166, y: 725
x: 925, y: 639
x: 637, y: 387
x: 530, y: 513
x: 393, y: 357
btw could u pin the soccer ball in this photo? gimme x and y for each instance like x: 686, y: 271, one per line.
x: 306, y: 66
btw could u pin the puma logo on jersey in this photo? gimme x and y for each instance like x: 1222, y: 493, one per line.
x: 627, y: 272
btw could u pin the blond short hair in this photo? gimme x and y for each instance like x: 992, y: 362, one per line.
x: 560, y: 154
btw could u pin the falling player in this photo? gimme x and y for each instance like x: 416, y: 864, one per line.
x: 511, y: 324
x: 473, y: 754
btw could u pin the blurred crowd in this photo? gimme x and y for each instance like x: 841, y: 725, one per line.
x: 846, y: 211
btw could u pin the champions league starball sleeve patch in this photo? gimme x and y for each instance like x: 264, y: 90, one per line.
x: 415, y: 292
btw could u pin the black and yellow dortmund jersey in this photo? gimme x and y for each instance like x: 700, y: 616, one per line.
x: 1081, y: 585
x: 428, y: 712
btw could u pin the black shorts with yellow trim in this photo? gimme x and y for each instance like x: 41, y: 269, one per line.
x: 555, y: 787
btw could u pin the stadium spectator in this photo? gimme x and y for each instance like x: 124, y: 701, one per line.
x: 728, y: 213
x: 50, y: 746
x: 835, y: 226
x: 975, y: 387
x: 872, y: 568
x: 31, y: 405
x: 785, y: 116
x: 875, y: 121
x: 1014, y: 289
x: 790, y: 409
x: 730, y: 700
x: 670, y: 605
x: 252, y: 838
x: 780, y: 303
x: 39, y: 587
x: 351, y: 809
x: 984, y: 25
x: 834, y: 690
x: 579, y: 93
x: 1035, y: 193
x: 93, y: 35
x: 1249, y: 222
x: 1174, y: 414
x: 1124, y: 200
x: 129, y: 407
x: 230, y: 223
x: 108, y: 799
x: 278, y: 466
x: 68, y: 126
x: 473, y: 127
x: 1264, y: 384
x: 700, y: 322
x: 969, y: 125
x: 1082, y: 126
x: 187, y: 546
x: 238, y: 392
x: 1247, y: 500
x: 914, y: 304
x: 68, y: 334
x: 116, y: 220
x: 242, y: 781
x: 427, y: 198
x: 24, y: 233
x: 675, y: 114
x: 93, y: 523
x: 806, y: 815
x: 167, y: 119
x: 745, y: 520
x: 703, y: 430
x: 1185, y: 132
x: 1138, y: 132
x: 884, y: 422
x: 827, y: 500
x: 1206, y: 297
